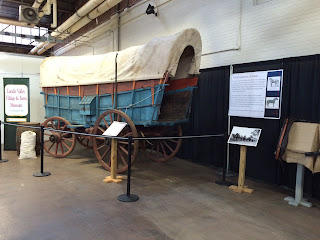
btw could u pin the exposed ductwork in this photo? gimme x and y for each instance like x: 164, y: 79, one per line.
x: 55, y: 14
x: 16, y: 23
x: 37, y: 3
x: 85, y: 9
x: 102, y: 8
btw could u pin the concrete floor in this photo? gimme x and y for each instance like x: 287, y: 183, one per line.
x: 178, y: 200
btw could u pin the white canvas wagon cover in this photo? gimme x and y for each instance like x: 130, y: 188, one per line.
x: 149, y: 61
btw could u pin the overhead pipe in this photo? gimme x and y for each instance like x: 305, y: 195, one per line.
x: 55, y: 14
x: 85, y: 9
x: 16, y: 23
x: 105, y: 6
x: 46, y: 10
x: 37, y: 3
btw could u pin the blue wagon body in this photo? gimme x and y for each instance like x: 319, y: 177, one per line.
x: 142, y: 105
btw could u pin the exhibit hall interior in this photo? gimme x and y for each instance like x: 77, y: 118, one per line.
x: 159, y: 119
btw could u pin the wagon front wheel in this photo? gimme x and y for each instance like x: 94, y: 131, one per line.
x: 102, y: 146
x: 58, y: 144
x: 161, y: 150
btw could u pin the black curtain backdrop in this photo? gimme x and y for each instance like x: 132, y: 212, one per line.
x: 209, y: 115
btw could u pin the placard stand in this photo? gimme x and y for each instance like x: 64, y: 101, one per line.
x: 114, y: 162
x: 299, y: 200
x: 242, y: 169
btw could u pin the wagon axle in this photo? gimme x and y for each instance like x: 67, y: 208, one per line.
x: 55, y: 138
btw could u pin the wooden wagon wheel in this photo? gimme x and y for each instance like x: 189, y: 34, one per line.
x: 58, y: 144
x: 85, y: 141
x: 102, y: 147
x: 163, y: 150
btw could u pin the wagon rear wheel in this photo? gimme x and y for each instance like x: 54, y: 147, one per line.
x: 102, y: 146
x: 85, y: 141
x: 58, y: 144
x: 163, y: 149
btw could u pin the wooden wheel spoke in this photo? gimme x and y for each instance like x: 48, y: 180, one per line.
x: 101, y: 129
x: 56, y: 152
x: 100, y: 138
x: 105, y: 153
x: 50, y: 146
x: 153, y: 146
x: 53, y: 126
x: 48, y: 134
x: 66, y: 145
x: 105, y: 122
x: 64, y: 127
x: 64, y: 134
x: 165, y: 143
x: 67, y: 139
x: 122, y: 158
x: 123, y: 149
x: 127, y: 134
x: 119, y: 118
x: 100, y: 147
x: 58, y: 125
x: 174, y: 141
x: 61, y: 148
x: 162, y: 147
x: 46, y: 141
x: 125, y: 143
x: 111, y: 120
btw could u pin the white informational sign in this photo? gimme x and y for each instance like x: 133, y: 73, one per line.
x: 114, y: 129
x: 256, y: 94
x: 16, y: 100
x: 244, y: 136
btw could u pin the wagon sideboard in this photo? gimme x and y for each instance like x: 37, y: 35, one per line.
x: 147, y: 103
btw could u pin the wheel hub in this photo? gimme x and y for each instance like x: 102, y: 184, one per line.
x: 55, y: 138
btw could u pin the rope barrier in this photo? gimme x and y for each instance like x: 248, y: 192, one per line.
x: 120, y: 138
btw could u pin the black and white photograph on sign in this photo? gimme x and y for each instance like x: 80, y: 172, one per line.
x: 272, y: 102
x: 273, y: 83
x: 244, y: 136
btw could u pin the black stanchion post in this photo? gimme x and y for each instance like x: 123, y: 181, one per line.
x: 41, y: 173
x: 128, y: 197
x: 223, y: 181
x: 1, y: 160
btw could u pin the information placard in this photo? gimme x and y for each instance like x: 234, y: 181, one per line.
x: 256, y: 94
x: 114, y: 129
x: 245, y: 136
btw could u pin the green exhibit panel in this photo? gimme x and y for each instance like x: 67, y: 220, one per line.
x: 16, y: 94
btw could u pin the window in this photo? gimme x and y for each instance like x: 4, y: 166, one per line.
x: 36, y: 31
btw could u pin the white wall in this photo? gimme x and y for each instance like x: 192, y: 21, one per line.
x: 233, y: 31
x: 22, y: 66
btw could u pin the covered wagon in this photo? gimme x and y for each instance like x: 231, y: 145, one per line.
x: 149, y: 87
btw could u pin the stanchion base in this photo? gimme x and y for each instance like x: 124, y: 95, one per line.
x: 292, y: 201
x: 3, y: 160
x: 238, y: 189
x: 39, y: 174
x: 126, y: 198
x: 109, y: 179
x: 223, y: 183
